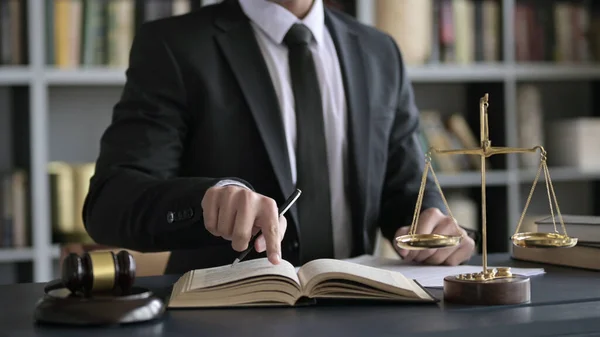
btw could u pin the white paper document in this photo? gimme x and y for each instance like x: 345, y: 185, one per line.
x: 430, y: 276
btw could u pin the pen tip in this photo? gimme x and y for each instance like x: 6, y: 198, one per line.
x: 235, y: 262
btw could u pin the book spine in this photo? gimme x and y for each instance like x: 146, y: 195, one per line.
x: 50, y: 40
x: 5, y: 23
x: 7, y: 211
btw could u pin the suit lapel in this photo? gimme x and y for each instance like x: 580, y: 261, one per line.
x: 241, y: 50
x: 353, y: 72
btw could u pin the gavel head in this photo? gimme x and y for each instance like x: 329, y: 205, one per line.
x: 99, y: 272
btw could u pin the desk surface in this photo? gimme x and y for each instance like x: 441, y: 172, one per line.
x: 564, y: 301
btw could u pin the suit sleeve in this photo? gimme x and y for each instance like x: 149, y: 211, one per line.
x: 136, y: 199
x: 406, y: 162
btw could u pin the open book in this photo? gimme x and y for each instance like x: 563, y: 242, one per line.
x: 259, y: 283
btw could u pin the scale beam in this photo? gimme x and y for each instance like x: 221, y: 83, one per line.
x: 488, y: 152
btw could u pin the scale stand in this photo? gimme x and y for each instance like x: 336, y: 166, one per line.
x: 496, y: 286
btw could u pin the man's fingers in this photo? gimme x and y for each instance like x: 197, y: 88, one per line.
x: 422, y: 255
x: 237, y: 214
x: 428, y: 220
x: 412, y: 254
x: 228, y: 208
x: 210, y: 211
x: 243, y: 223
x: 270, y: 229
x: 444, y: 227
x: 462, y: 254
x: 260, y: 245
x: 439, y: 256
x: 225, y: 224
x: 452, y: 255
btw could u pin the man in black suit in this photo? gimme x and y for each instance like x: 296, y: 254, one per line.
x: 228, y: 109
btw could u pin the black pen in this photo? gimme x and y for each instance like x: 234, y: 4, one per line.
x: 282, y: 209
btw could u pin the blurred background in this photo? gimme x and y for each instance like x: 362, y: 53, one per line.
x: 62, y: 66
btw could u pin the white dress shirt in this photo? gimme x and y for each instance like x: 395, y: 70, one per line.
x: 271, y: 23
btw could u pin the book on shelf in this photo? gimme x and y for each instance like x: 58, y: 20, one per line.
x: 554, y: 31
x: 530, y: 117
x: 438, y: 137
x: 259, y: 283
x: 92, y: 33
x: 83, y: 33
x: 13, y: 46
x: 576, y: 146
x: 14, y: 224
x: 443, y: 31
x: 69, y: 185
x: 468, y: 31
x: 444, y: 134
x: 458, y: 126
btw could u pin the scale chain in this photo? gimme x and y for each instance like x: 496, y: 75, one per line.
x: 418, y: 206
x: 550, y: 192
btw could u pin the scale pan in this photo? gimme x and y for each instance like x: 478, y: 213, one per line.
x: 427, y: 241
x: 543, y: 240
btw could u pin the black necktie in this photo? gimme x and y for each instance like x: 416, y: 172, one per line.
x: 314, y: 206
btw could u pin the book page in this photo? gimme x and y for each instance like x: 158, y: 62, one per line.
x: 212, y: 277
x: 314, y: 273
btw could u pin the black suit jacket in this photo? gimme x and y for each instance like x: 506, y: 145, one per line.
x: 199, y: 106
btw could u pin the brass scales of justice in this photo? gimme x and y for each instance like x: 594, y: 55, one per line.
x: 495, y: 286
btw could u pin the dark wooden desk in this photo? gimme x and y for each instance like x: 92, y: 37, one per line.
x: 564, y: 301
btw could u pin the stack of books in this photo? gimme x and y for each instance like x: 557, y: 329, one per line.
x: 584, y: 255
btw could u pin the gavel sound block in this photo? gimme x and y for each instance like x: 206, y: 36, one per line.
x: 97, y: 289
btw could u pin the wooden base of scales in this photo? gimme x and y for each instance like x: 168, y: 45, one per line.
x: 491, y: 286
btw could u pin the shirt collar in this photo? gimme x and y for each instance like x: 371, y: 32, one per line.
x: 275, y: 21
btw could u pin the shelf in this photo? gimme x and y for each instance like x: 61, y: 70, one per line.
x: 554, y: 71
x: 426, y: 73
x: 16, y: 254
x: 15, y: 75
x: 24, y: 254
x: 439, y: 73
x: 559, y: 174
x: 430, y: 73
x: 86, y: 76
x: 472, y: 179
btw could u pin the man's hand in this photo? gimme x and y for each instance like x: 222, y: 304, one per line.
x: 433, y: 221
x: 236, y: 213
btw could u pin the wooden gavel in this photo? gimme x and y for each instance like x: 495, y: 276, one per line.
x: 96, y: 272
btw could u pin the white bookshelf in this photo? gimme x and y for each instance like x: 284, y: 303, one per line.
x: 47, y: 87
